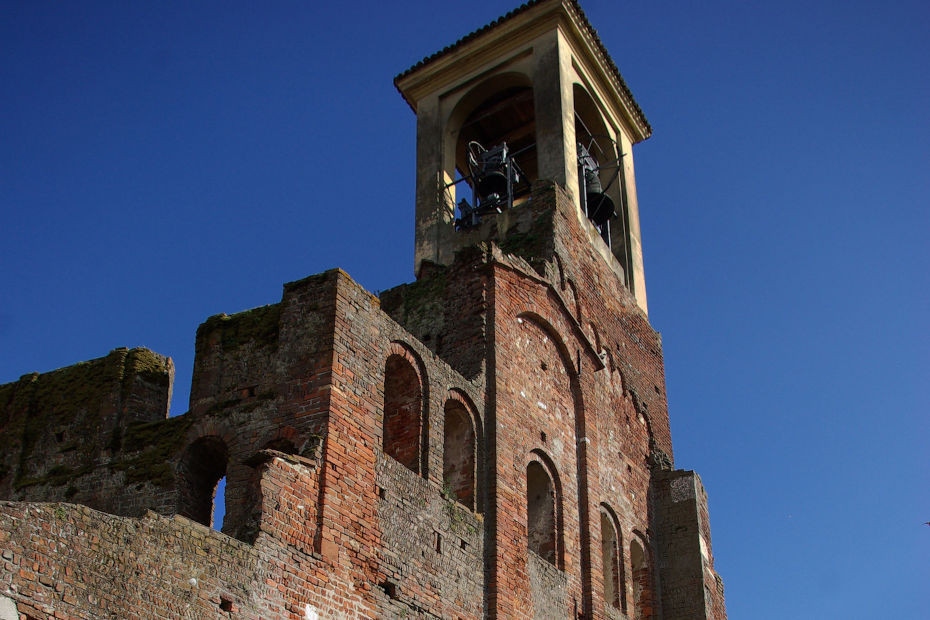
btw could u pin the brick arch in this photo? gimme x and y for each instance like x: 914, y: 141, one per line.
x: 405, y: 411
x: 642, y: 601
x: 460, y: 396
x: 612, y: 565
x: 461, y: 449
x: 581, y: 449
x: 538, y: 516
x: 202, y: 465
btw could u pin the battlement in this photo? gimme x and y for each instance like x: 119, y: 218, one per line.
x: 491, y: 440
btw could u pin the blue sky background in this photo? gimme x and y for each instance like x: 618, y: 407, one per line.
x: 163, y: 162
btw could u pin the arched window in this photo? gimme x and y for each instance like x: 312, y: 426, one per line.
x: 200, y: 471
x: 458, y: 454
x: 611, y: 560
x: 604, y: 148
x: 403, y: 404
x: 499, y: 111
x: 642, y: 581
x: 540, y: 512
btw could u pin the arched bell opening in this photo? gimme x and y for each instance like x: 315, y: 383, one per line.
x: 602, y: 185
x: 494, y: 159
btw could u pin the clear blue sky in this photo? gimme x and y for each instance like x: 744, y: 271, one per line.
x: 163, y: 162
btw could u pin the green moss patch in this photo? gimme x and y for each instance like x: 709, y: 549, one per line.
x: 258, y: 326
x: 154, y: 447
x: 83, y: 394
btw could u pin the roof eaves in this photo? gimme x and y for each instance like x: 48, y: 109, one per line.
x: 605, y: 55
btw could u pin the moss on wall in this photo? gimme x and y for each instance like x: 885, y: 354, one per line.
x: 153, y: 447
x: 258, y: 326
x: 534, y: 243
x: 82, y: 394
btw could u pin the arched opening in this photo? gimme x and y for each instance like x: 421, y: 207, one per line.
x: 611, y: 562
x: 458, y: 454
x: 494, y: 133
x: 540, y: 512
x: 642, y: 581
x: 200, y: 471
x: 402, y: 412
x: 281, y: 444
x: 604, y: 151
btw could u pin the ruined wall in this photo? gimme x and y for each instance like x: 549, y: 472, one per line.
x: 555, y: 498
x: 691, y: 589
x: 82, y: 434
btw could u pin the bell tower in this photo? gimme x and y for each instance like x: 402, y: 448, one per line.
x: 531, y: 97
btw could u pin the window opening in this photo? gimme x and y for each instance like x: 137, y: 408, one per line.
x: 219, y: 505
x: 201, y: 469
x: 496, y: 155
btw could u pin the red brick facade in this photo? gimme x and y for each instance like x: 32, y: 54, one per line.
x: 544, y: 358
x: 489, y: 441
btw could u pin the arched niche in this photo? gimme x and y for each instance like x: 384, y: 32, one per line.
x: 641, y: 578
x: 403, y: 404
x: 459, y: 453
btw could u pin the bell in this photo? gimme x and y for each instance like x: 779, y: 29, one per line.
x: 598, y: 205
x: 492, y: 183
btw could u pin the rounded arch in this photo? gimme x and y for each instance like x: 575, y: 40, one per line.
x: 612, y: 558
x: 545, y: 521
x: 641, y: 577
x: 460, y: 396
x: 405, y: 350
x: 482, y: 91
x: 203, y: 464
x: 460, y: 449
x: 589, y: 122
x: 498, y: 109
x: 403, y: 426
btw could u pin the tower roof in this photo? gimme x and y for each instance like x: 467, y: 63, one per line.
x: 571, y: 9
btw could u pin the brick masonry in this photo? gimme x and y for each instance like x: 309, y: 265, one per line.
x: 529, y: 332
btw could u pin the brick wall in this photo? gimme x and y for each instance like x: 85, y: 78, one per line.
x: 529, y: 338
